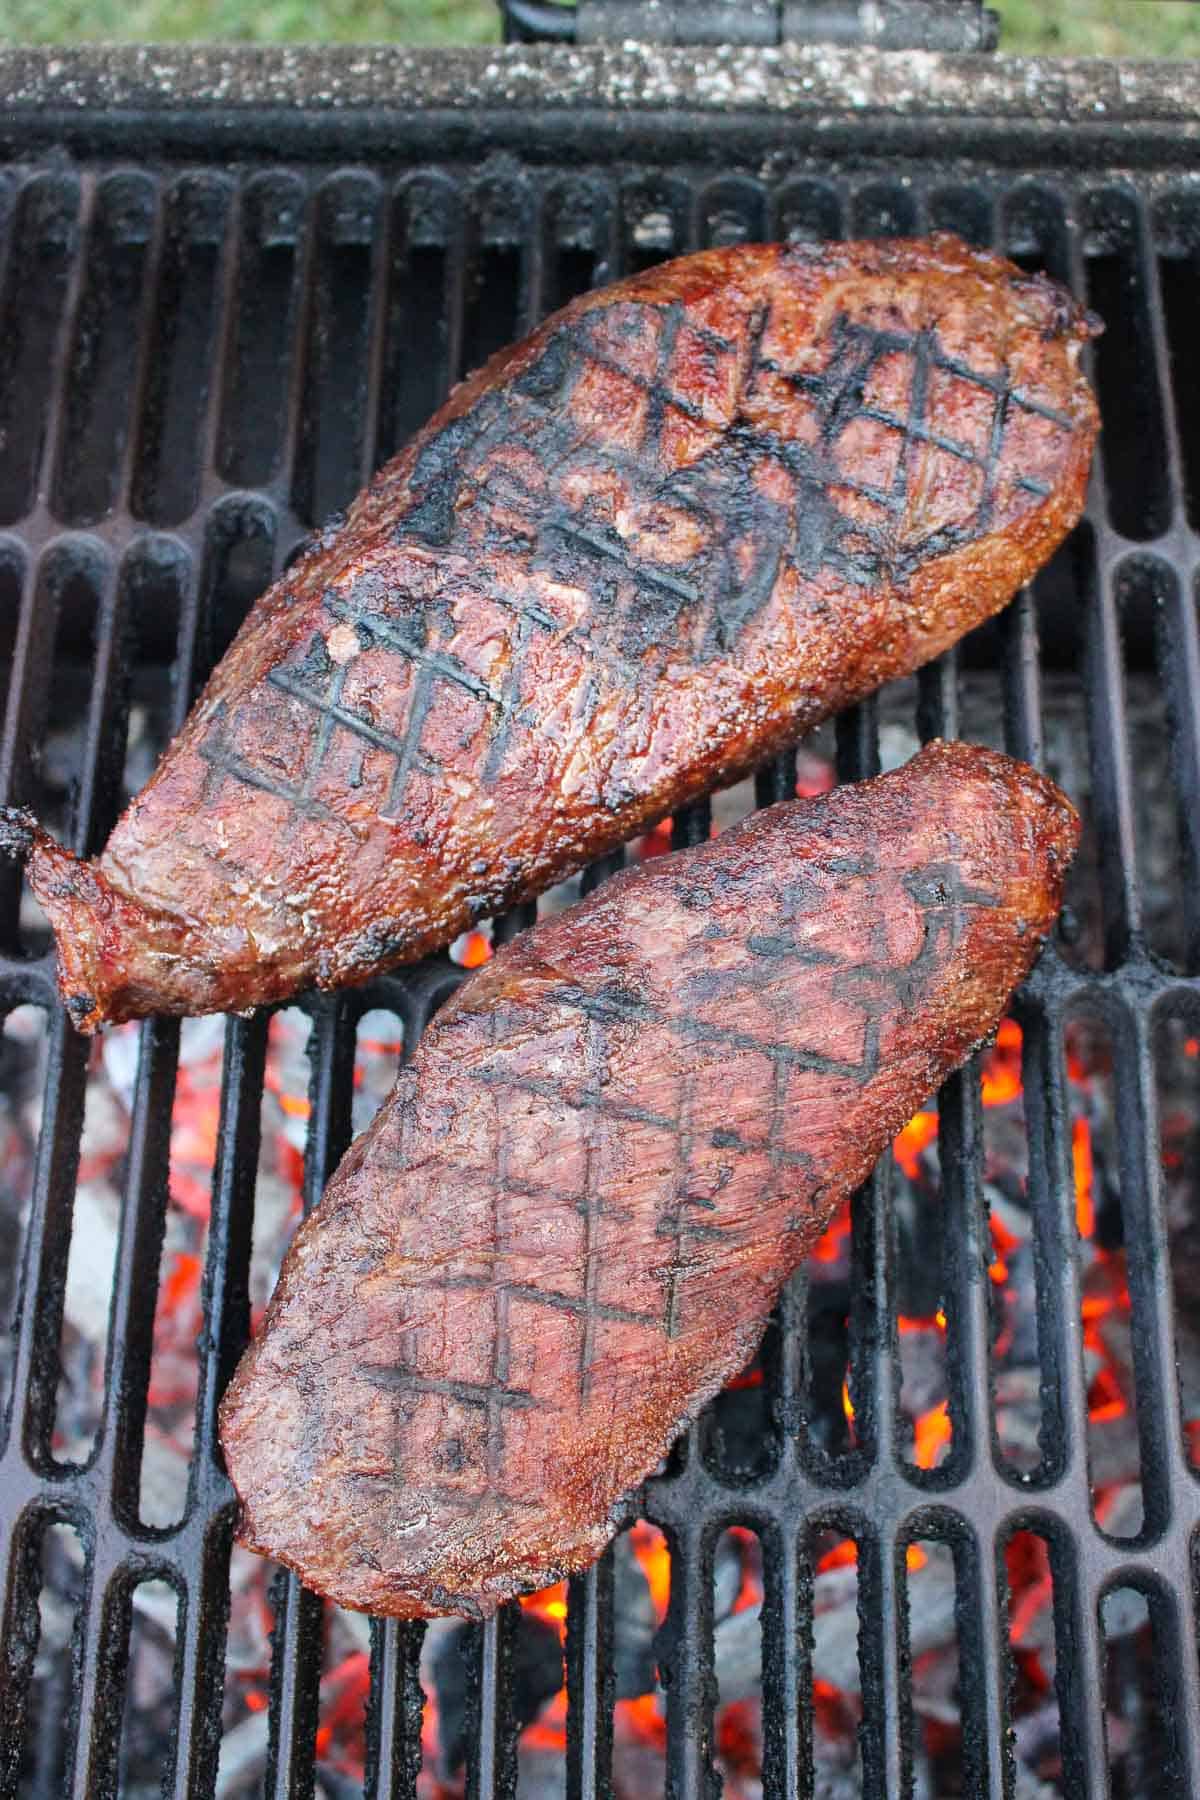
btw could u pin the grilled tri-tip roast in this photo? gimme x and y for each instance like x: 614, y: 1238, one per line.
x: 686, y: 519
x: 567, y: 1225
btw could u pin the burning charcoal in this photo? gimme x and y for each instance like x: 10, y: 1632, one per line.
x: 918, y: 1210
x: 1021, y: 1312
x: 924, y: 1362
x: 379, y: 1044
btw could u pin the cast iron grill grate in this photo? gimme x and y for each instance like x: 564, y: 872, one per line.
x: 199, y: 365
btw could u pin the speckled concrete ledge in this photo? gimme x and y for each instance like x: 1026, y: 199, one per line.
x: 630, y: 77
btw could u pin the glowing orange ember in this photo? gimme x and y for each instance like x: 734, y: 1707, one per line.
x: 650, y: 1547
x: 549, y: 1604
x: 914, y: 1558
x: 828, y: 1248
x: 847, y: 1403
x: 749, y: 1378
x: 930, y: 1432
x: 656, y: 842
x: 842, y: 1556
x: 751, y: 1591
x: 917, y: 1135
x: 1001, y: 1080
x: 813, y: 779
x: 549, y: 1729
x: 907, y: 1322
x: 476, y: 950
x: 1081, y: 1163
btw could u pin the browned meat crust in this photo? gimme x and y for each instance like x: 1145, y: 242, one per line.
x: 566, y: 1227
x: 634, y: 555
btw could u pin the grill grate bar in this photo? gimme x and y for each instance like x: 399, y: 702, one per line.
x: 591, y: 1683
x: 394, y: 1719
x: 1179, y: 660
x: 538, y: 232
x: 687, y: 1665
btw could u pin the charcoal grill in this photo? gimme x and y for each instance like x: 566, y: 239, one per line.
x: 233, y: 283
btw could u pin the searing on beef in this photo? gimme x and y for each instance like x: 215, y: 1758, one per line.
x: 689, y: 517
x: 567, y: 1225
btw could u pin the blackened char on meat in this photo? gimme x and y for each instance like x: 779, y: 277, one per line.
x: 567, y: 1225
x: 629, y: 559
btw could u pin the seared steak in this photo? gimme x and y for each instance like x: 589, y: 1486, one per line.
x: 567, y: 1225
x: 630, y: 558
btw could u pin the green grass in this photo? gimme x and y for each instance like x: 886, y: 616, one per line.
x: 1056, y: 27
x: 248, y: 21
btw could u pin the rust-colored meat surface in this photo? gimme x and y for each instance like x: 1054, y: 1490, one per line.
x: 567, y: 1226
x: 689, y: 517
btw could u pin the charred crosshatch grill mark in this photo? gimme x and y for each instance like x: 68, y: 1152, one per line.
x: 624, y: 643
x: 874, y: 986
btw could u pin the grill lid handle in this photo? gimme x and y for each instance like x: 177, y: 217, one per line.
x: 885, y: 24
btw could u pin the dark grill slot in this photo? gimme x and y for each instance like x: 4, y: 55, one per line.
x: 1134, y: 453
x: 262, y: 345
x: 827, y: 1710
x: 578, y: 228
x: 12, y: 580
x: 807, y: 211
x: 417, y: 355
x: 1177, y: 223
x: 495, y: 287
x: 1147, y: 592
x: 492, y: 301
x: 574, y: 274
x: 167, y: 470
x: 151, y: 1702
x: 1139, y: 1675
x: 1029, y: 1605
x: 1176, y: 1050
x: 91, y: 1254
x: 239, y: 554
x: 881, y: 210
x: 1034, y: 230
x: 329, y: 455
x: 655, y: 223
x: 739, y: 1441
x: 103, y: 365
x: 162, y: 1381
x: 39, y: 278
x: 966, y: 210
x: 932, y: 1574
x: 1123, y: 1499
x: 732, y: 212
x: 156, y: 578
x: 67, y: 600
x: 46, y: 1611
x: 1014, y: 1300
x: 921, y: 1319
x: 819, y: 1301
x: 738, y: 1654
x: 22, y: 1072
